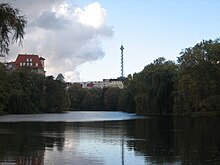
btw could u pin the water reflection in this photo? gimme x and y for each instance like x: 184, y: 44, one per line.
x: 178, y: 140
x: 141, y: 141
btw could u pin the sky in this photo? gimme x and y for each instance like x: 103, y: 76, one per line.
x: 81, y: 38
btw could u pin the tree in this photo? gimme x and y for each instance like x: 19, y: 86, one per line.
x: 11, y: 22
x: 158, y: 78
x: 126, y: 99
x: 198, y: 81
x: 92, y: 100
x: 159, y: 61
x: 76, y: 94
x: 111, y: 98
x: 150, y: 91
x: 4, y: 88
x: 159, y: 99
x: 22, y: 87
x: 33, y: 93
x: 60, y: 77
x: 57, y: 98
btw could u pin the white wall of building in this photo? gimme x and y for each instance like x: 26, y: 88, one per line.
x: 103, y: 84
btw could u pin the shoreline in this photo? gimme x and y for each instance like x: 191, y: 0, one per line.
x: 191, y: 114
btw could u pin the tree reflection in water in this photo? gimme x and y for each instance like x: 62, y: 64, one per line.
x: 154, y: 140
x: 177, y: 140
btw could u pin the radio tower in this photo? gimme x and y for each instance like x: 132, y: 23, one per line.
x: 122, y: 61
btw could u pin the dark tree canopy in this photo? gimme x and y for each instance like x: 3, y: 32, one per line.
x: 4, y: 87
x: 198, y: 80
x: 22, y: 91
x: 11, y: 23
x: 111, y: 98
x: 76, y: 94
x: 162, y: 88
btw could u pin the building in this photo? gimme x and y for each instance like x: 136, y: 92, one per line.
x: 31, y: 61
x: 106, y: 83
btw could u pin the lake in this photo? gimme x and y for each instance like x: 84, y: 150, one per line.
x: 108, y: 138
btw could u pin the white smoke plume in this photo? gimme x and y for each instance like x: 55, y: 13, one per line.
x: 65, y: 34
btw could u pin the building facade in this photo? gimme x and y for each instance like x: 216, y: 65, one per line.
x: 106, y: 83
x: 30, y: 61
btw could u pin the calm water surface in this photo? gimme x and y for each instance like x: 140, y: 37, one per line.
x: 97, y: 138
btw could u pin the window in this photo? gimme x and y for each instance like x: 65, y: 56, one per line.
x: 31, y: 64
x: 30, y: 59
x: 23, y: 63
x: 20, y: 63
x: 27, y: 59
x: 36, y: 64
x: 28, y: 64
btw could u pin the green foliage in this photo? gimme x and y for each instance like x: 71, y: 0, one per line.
x: 11, y: 22
x: 198, y: 81
x: 150, y: 91
x: 111, y: 98
x: 161, y: 88
x: 4, y: 87
x: 21, y: 88
x: 93, y: 100
x: 33, y: 93
x: 19, y: 102
x: 56, y: 97
x: 165, y: 88
x: 76, y: 94
x: 126, y: 99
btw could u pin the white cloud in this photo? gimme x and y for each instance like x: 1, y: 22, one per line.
x: 66, y: 36
x: 92, y: 15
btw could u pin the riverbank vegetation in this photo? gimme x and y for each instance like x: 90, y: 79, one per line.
x: 189, y: 87
x: 93, y: 99
x: 22, y: 91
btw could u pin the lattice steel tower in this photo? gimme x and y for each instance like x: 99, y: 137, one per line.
x: 122, y: 61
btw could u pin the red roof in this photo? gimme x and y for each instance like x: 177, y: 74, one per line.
x: 90, y: 85
x: 29, y: 60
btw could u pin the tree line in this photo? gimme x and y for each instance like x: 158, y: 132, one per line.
x: 191, y: 86
x: 22, y: 91
x: 93, y: 99
x: 163, y: 87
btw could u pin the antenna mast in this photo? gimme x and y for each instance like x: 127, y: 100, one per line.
x: 122, y: 61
